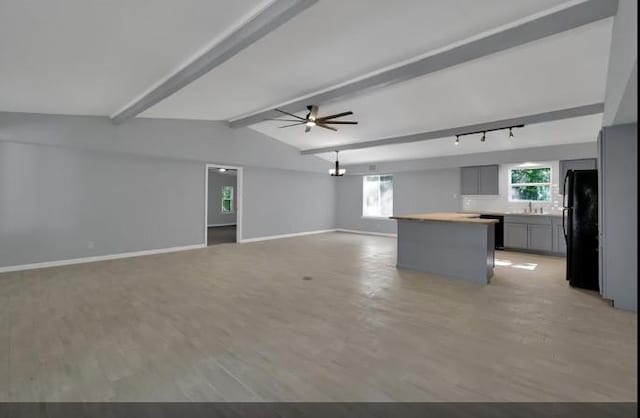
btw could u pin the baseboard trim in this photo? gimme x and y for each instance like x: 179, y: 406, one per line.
x: 357, y: 231
x: 98, y: 258
x: 229, y: 224
x: 296, y: 234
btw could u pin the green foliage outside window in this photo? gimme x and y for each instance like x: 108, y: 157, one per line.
x: 227, y: 199
x: 530, y: 184
x: 531, y: 175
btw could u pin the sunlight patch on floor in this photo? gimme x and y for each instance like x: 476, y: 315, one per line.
x: 509, y: 263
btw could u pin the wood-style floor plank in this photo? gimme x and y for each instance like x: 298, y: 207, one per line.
x: 237, y: 322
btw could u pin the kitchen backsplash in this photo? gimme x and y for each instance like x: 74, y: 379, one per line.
x: 501, y: 202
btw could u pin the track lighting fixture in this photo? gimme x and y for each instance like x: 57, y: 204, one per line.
x: 337, y: 171
x: 484, y: 133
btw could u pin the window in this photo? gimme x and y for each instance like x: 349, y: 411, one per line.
x: 227, y: 199
x: 377, y: 196
x: 530, y: 184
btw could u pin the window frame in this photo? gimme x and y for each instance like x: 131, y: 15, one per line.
x: 550, y: 183
x: 230, y: 199
x: 364, y: 200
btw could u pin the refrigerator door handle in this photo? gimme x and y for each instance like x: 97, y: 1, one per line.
x: 564, y: 224
x: 565, y: 195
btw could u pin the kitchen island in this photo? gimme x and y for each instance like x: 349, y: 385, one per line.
x: 456, y: 245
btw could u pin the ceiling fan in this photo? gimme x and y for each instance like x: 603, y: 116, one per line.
x: 312, y: 119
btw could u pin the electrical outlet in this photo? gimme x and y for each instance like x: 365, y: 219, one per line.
x: 91, y: 244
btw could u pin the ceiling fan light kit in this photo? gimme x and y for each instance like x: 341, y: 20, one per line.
x: 312, y: 119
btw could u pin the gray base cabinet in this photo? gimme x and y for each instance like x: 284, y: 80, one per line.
x: 540, y: 237
x: 541, y: 234
x: 559, y: 243
x: 515, y: 235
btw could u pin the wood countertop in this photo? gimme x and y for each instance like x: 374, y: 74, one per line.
x: 551, y: 214
x: 472, y: 218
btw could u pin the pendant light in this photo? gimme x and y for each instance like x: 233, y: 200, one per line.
x: 337, y: 171
x: 457, y: 142
x: 510, y: 133
x: 484, y: 137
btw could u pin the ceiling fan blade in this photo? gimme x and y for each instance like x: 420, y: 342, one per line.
x: 337, y: 115
x: 286, y: 120
x: 340, y: 122
x: 290, y: 114
x: 307, y: 129
x: 326, y: 127
x: 293, y: 124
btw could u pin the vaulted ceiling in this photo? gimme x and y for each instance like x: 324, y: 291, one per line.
x: 93, y: 57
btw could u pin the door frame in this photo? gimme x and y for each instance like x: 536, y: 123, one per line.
x: 239, y: 194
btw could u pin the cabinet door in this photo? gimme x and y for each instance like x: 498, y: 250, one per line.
x: 469, y: 180
x: 559, y: 243
x: 565, y: 165
x: 488, y: 182
x: 540, y: 237
x: 515, y: 235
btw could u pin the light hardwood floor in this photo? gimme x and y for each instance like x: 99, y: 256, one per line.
x: 239, y: 322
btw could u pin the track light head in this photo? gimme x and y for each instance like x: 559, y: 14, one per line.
x: 457, y: 141
x: 484, y: 137
x: 511, y: 133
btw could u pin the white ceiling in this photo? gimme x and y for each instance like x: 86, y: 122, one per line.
x: 558, y: 72
x: 568, y: 131
x: 334, y: 41
x: 92, y: 57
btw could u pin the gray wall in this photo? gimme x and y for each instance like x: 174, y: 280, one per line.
x: 214, y: 207
x: 69, y: 180
x: 54, y: 201
x: 551, y: 153
x: 192, y: 140
x: 413, y: 192
x: 619, y: 220
x: 283, y: 202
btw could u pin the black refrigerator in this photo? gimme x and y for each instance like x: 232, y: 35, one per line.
x: 580, y: 223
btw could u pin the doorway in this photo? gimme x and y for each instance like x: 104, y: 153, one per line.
x: 223, y: 204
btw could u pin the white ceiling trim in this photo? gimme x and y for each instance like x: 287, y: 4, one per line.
x: 534, y: 27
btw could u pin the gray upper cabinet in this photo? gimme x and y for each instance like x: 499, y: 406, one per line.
x: 488, y: 179
x: 565, y: 165
x: 480, y: 180
x: 470, y: 181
